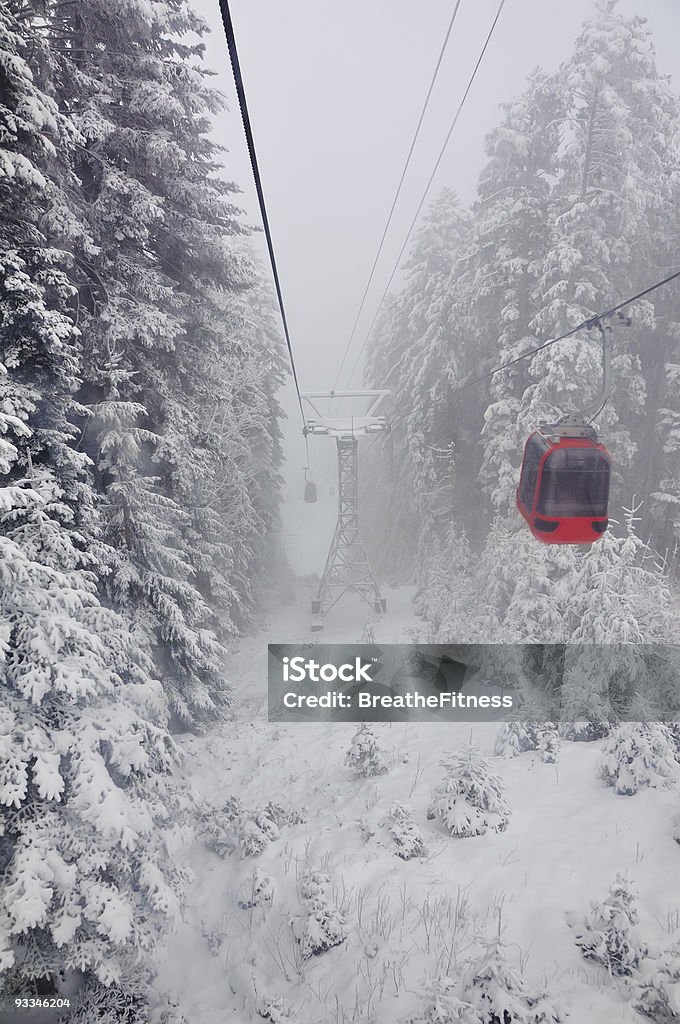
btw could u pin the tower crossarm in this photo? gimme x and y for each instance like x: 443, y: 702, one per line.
x: 367, y: 422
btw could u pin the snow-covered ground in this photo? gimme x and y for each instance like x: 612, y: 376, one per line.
x: 567, y: 838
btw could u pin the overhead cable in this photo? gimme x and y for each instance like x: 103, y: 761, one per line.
x: 398, y: 192
x: 245, y: 116
x: 586, y: 324
x: 427, y: 187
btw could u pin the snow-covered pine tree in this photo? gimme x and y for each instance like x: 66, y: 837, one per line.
x: 608, y: 934
x: 274, y: 1009
x: 407, y: 836
x: 515, y: 738
x: 611, y: 193
x: 498, y: 994
x: 365, y: 755
x: 619, y: 606
x: 519, y: 591
x: 86, y: 808
x: 549, y: 743
x: 657, y: 468
x: 441, y: 1004
x: 637, y: 755
x: 160, y: 289
x: 387, y: 477
x: 416, y: 352
x: 658, y: 998
x: 323, y: 924
x: 444, y: 595
x: 538, y: 607
x: 612, y: 187
x: 469, y: 801
x: 493, y: 582
x: 509, y: 243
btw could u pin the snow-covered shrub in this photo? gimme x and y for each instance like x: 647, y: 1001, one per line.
x: 549, y: 743
x: 218, y: 826
x: 323, y: 925
x: 469, y: 801
x: 274, y: 1009
x: 256, y: 831
x: 257, y: 891
x: 658, y: 997
x: 494, y: 992
x: 233, y: 826
x: 674, y: 729
x: 639, y: 754
x: 515, y: 738
x: 86, y: 798
x: 441, y: 1004
x: 488, y: 990
x: 584, y: 731
x: 170, y: 1014
x: 287, y: 815
x: 608, y: 934
x: 365, y: 755
x: 213, y: 935
x: 406, y: 834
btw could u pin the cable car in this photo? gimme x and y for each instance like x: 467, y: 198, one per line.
x: 563, y: 488
x: 563, y: 491
x: 310, y: 490
x: 310, y: 493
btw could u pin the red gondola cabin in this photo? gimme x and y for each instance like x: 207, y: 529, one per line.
x: 564, y: 488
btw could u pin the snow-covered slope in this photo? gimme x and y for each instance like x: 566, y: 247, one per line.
x: 405, y: 920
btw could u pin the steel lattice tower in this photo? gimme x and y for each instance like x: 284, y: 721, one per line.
x: 347, y: 568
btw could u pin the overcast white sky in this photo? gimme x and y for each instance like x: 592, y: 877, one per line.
x: 335, y: 90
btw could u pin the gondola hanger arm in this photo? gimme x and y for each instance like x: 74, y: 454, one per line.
x: 578, y: 423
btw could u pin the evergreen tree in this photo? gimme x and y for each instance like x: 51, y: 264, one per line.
x: 619, y: 606
x: 365, y: 755
x: 418, y: 352
x: 515, y: 738
x: 86, y: 804
x: 407, y: 836
x: 470, y: 799
x: 549, y: 743
x: 323, y: 924
x: 639, y: 754
x: 658, y: 998
x: 510, y: 240
x: 498, y: 993
x: 612, y: 187
x: 169, y: 347
x: 608, y: 935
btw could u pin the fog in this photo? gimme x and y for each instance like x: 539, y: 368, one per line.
x: 335, y: 91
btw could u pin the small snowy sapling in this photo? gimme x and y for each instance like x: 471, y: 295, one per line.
x: 658, y: 997
x: 364, y: 755
x: 257, y: 890
x: 608, y: 934
x: 407, y: 836
x: 323, y: 925
x: 549, y: 743
x: 639, y: 754
x: 497, y: 992
x: 469, y: 801
x: 515, y: 738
